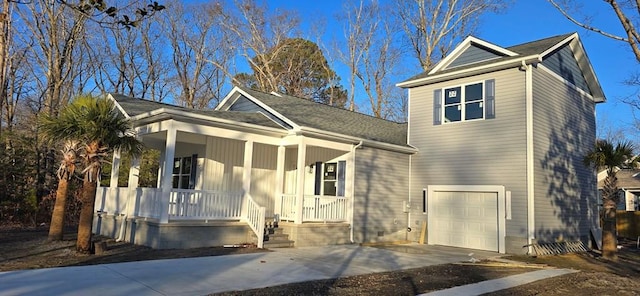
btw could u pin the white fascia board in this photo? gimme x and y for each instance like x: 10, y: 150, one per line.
x: 229, y: 96
x: 307, y: 131
x: 531, y: 59
x: 567, y: 82
x: 214, y: 120
x: 583, y: 62
x: 464, y: 45
x: 587, y: 70
x: 115, y: 103
x: 559, y: 44
x: 264, y: 106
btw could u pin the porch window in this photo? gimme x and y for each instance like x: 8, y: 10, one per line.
x: 184, y: 172
x: 330, y: 178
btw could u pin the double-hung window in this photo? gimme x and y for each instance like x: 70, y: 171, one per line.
x: 465, y: 102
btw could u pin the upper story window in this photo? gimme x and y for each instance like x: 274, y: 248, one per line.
x: 465, y: 102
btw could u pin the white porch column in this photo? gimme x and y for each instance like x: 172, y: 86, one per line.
x: 134, y: 177
x: 300, y: 171
x: 113, y: 184
x: 279, y: 180
x: 167, y: 177
x: 246, y: 174
x: 115, y: 169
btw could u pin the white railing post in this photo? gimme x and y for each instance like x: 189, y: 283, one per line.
x: 255, y: 219
x: 167, y: 170
x: 279, y: 190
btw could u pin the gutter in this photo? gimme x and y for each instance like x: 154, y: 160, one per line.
x: 532, y: 59
x: 171, y: 114
x: 308, y: 131
x: 353, y: 188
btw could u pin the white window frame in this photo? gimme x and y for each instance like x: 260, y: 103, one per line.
x: 463, y: 102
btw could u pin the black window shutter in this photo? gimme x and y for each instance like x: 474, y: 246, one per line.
x: 490, y: 99
x: 316, y: 190
x: 437, y: 107
x: 194, y: 168
x: 342, y: 165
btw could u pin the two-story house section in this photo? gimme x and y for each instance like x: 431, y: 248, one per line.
x: 501, y: 134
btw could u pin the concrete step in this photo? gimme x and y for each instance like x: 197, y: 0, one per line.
x: 279, y: 244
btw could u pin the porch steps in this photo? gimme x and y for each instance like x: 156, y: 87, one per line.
x: 275, y: 238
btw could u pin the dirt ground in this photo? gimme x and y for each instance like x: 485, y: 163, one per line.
x: 28, y: 249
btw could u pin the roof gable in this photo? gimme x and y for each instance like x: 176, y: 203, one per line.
x: 133, y: 108
x: 533, y: 52
x: 305, y: 114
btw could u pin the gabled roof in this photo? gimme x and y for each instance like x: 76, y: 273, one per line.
x: 133, y: 107
x: 304, y: 114
x: 627, y: 178
x: 533, y: 52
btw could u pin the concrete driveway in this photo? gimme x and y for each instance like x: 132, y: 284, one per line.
x: 200, y: 276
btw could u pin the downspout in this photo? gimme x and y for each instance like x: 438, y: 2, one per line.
x: 409, y: 197
x: 530, y: 151
x: 353, y: 189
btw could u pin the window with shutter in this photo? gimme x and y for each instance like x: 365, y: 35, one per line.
x: 467, y: 102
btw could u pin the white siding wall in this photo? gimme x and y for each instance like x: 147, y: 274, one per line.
x: 263, y: 176
x: 564, y: 131
x: 381, y: 186
x: 485, y: 152
x: 223, y: 165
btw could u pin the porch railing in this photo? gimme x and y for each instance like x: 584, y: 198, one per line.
x: 315, y: 208
x: 255, y: 219
x: 205, y: 204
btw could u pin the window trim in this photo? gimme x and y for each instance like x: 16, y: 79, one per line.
x: 463, y: 102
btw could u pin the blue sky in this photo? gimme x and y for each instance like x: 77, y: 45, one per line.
x: 528, y: 20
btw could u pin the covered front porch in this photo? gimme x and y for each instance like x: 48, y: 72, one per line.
x: 240, y: 176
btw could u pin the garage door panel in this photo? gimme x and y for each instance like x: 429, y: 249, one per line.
x: 464, y: 219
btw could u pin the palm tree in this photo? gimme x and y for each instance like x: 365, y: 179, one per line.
x: 611, y: 157
x: 100, y: 128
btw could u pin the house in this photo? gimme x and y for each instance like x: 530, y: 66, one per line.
x: 326, y: 174
x: 491, y: 158
x: 629, y: 186
x: 501, y: 134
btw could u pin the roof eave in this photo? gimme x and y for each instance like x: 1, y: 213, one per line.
x: 309, y: 131
x: 164, y: 114
x: 531, y: 59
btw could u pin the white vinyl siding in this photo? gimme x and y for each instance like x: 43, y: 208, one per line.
x: 263, y: 176
x: 482, y: 152
x: 563, y: 132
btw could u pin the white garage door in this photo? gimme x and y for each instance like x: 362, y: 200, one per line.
x: 464, y: 219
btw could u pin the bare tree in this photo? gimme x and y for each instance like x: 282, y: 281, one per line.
x: 372, y: 55
x: 56, y: 32
x: 433, y: 27
x: 196, y: 40
x: 256, y: 32
x: 357, y: 36
x: 626, y: 11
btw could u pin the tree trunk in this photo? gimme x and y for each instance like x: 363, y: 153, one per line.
x: 57, y: 217
x: 83, y: 244
x: 609, y: 237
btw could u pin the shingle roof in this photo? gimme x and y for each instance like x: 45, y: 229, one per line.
x: 134, y: 106
x: 524, y: 49
x: 311, y: 114
x: 627, y: 178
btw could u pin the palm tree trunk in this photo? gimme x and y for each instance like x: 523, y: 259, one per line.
x: 85, y: 225
x: 56, y: 228
x: 609, y: 237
